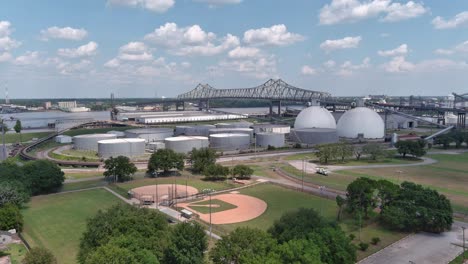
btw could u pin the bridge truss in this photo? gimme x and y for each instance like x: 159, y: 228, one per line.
x: 271, y: 90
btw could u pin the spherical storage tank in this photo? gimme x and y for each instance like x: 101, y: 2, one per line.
x: 185, y: 144
x: 315, y: 117
x: 89, y: 142
x: 150, y: 134
x: 232, y: 141
x: 129, y: 147
x: 361, y: 121
x: 200, y: 130
x: 270, y: 139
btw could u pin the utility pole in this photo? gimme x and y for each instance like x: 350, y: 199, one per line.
x: 157, y: 195
x: 463, y: 257
x: 210, y: 217
x: 3, y: 139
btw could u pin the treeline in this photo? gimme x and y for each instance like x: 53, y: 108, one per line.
x: 455, y: 137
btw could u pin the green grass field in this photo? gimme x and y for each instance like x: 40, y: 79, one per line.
x: 83, y: 175
x: 73, y: 186
x: 217, y: 206
x: 58, y: 221
x: 17, y: 252
x: 459, y: 259
x: 25, y: 137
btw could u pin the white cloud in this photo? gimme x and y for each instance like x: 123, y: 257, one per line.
x: 443, y: 52
x: 276, y: 35
x: 135, y: 51
x: 344, y: 43
x: 136, y: 57
x: 67, y: 68
x: 29, y: 58
x: 348, y: 68
x: 342, y: 11
x: 192, y: 40
x: 63, y: 33
x: 89, y: 49
x: 6, y: 42
x: 398, y: 64
x: 399, y: 51
x: 133, y: 47
x: 158, y: 6
x: 459, y: 20
x: 244, y: 52
x: 461, y: 48
x: 260, y: 68
x: 5, y: 56
x: 5, y: 29
x: 308, y: 70
x: 329, y: 64
x: 113, y: 63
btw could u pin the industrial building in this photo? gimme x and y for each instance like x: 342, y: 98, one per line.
x: 150, y: 134
x: 271, y: 128
x: 185, y: 144
x: 62, y: 139
x: 89, y: 142
x: 129, y: 147
x: 361, y: 122
x: 232, y: 141
x: 199, y: 130
x: 234, y: 125
x: 276, y: 140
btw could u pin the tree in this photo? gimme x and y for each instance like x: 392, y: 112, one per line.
x: 374, y: 150
x: 120, y: 168
x: 387, y: 192
x: 245, y: 245
x: 200, y: 158
x: 357, y: 151
x: 443, y: 140
x: 126, y: 227
x: 215, y: 172
x: 415, y: 148
x: 39, y: 255
x: 344, y: 150
x: 10, y: 218
x: 299, y: 251
x: 416, y: 208
x: 43, y: 176
x: 340, y: 201
x: 326, y: 152
x: 18, y: 127
x: 165, y: 160
x: 360, y: 195
x: 189, y: 241
x: 242, y: 171
x: 13, y: 192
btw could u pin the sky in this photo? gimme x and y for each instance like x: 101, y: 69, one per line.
x: 156, y: 48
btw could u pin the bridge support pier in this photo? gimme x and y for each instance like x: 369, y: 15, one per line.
x: 441, y: 118
x: 180, y: 106
x: 203, y: 105
x: 461, y: 121
x: 278, y: 104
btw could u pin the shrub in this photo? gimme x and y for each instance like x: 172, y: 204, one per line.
x: 363, y: 246
x: 375, y: 240
x: 352, y: 236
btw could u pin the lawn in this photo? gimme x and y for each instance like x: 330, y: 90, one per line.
x: 458, y: 259
x: 73, y: 186
x: 25, y: 137
x: 57, y: 222
x: 89, y: 155
x: 82, y: 175
x: 17, y: 252
x: 281, y: 200
x: 216, y: 206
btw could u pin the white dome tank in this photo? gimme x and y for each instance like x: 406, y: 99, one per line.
x: 361, y: 120
x: 315, y: 117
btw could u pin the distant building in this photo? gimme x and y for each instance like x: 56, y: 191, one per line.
x: 67, y: 105
x: 47, y: 105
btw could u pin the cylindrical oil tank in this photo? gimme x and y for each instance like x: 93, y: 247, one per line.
x: 234, y: 125
x: 185, y: 144
x: 119, y: 134
x: 199, y: 130
x: 129, y: 147
x: 232, y: 141
x: 314, y: 136
x: 247, y: 131
x: 271, y: 128
x: 89, y: 142
x: 270, y: 139
x: 150, y: 134
x: 154, y: 146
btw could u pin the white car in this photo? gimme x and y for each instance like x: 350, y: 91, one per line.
x: 322, y: 171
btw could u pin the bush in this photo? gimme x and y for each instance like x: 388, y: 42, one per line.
x: 270, y: 147
x: 39, y: 256
x: 352, y: 236
x: 363, y: 246
x: 297, y: 145
x: 375, y: 240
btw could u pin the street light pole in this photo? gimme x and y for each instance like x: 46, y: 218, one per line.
x: 210, y: 215
x: 157, y: 195
x: 3, y: 139
x: 303, y: 172
x: 463, y: 257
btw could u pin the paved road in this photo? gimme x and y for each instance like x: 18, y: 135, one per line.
x: 312, y: 167
x: 422, y: 248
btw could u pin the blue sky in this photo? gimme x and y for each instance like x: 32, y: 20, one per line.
x: 147, y: 48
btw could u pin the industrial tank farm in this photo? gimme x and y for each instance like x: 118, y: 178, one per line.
x: 234, y: 125
x: 271, y: 128
x: 129, y: 147
x: 314, y: 125
x: 270, y: 139
x: 150, y: 134
x: 185, y: 144
x: 199, y: 130
x: 247, y: 131
x: 361, y: 122
x: 225, y: 142
x: 314, y: 136
x: 89, y: 142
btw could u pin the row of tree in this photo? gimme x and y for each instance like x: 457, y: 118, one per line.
x: 344, y: 150
x: 456, y: 137
x: 406, y: 207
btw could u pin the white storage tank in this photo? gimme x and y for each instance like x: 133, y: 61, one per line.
x: 315, y: 117
x: 361, y: 122
x: 270, y: 139
x: 150, y: 134
x: 154, y: 146
x: 185, y: 144
x: 129, y: 147
x: 234, y: 125
x: 118, y: 134
x: 62, y: 139
x: 231, y: 141
x: 271, y: 128
x: 314, y: 136
x: 199, y: 130
x: 248, y: 131
x: 89, y: 142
